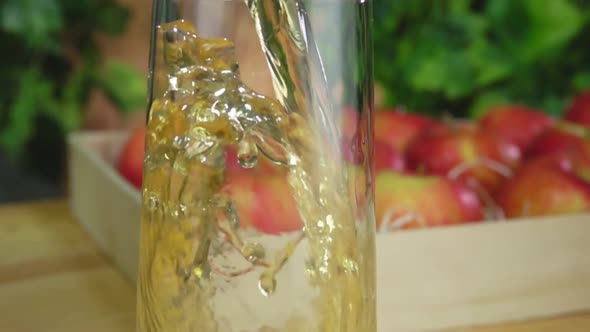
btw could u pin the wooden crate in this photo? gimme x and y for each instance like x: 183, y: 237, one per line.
x: 102, y: 201
x: 427, y: 280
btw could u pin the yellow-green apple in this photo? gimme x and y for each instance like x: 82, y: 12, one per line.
x: 541, y: 188
x: 517, y: 124
x: 564, y: 137
x: 264, y: 202
x: 579, y: 110
x: 414, y: 201
x: 465, y: 153
x: 398, y: 128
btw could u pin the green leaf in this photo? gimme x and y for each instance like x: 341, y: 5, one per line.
x: 67, y: 112
x: 459, y: 7
x: 73, y: 95
x: 581, y: 81
x: 35, y: 21
x: 111, y: 18
x: 491, y: 64
x: 530, y: 29
x: 552, y: 24
x: 34, y: 93
x: 484, y: 101
x: 425, y: 66
x: 125, y: 86
x: 553, y: 105
x: 463, y: 55
x: 436, y: 58
x: 79, y: 8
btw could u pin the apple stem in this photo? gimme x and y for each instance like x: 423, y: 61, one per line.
x: 491, y: 210
x: 494, y: 165
x: 231, y: 274
x: 385, y: 220
x: 392, y: 224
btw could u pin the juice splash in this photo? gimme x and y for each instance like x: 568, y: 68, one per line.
x: 191, y: 241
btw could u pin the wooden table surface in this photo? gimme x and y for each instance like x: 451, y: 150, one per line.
x: 53, y: 278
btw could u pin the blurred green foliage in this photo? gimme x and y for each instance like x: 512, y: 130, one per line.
x: 460, y: 56
x: 48, y: 65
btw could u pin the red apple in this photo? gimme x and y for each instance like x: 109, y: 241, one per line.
x: 465, y: 153
x: 411, y: 201
x: 264, y: 202
x: 231, y: 159
x: 539, y: 188
x: 566, y: 161
x: 517, y: 124
x: 397, y: 128
x: 240, y: 186
x: 130, y: 162
x: 564, y: 137
x: 276, y: 211
x: 579, y: 110
x: 353, y: 133
x: 386, y: 158
x: 349, y: 122
x: 350, y: 153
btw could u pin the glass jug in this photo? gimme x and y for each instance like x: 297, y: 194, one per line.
x: 257, y: 198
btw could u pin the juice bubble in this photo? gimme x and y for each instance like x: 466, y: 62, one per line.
x: 247, y: 153
x: 253, y: 251
x: 267, y: 283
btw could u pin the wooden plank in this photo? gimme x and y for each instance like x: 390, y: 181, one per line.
x: 94, y: 300
x: 54, y: 278
x: 34, y: 232
x: 64, y: 285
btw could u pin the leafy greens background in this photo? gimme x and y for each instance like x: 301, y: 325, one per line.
x: 459, y: 56
x: 48, y: 65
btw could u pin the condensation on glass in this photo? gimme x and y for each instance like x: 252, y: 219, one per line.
x: 257, y: 199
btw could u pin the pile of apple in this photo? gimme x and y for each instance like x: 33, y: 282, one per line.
x: 512, y: 162
x: 261, y: 195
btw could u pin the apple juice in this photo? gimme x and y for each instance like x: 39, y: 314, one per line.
x: 199, y: 269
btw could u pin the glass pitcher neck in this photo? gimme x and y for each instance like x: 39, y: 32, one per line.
x: 162, y: 11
